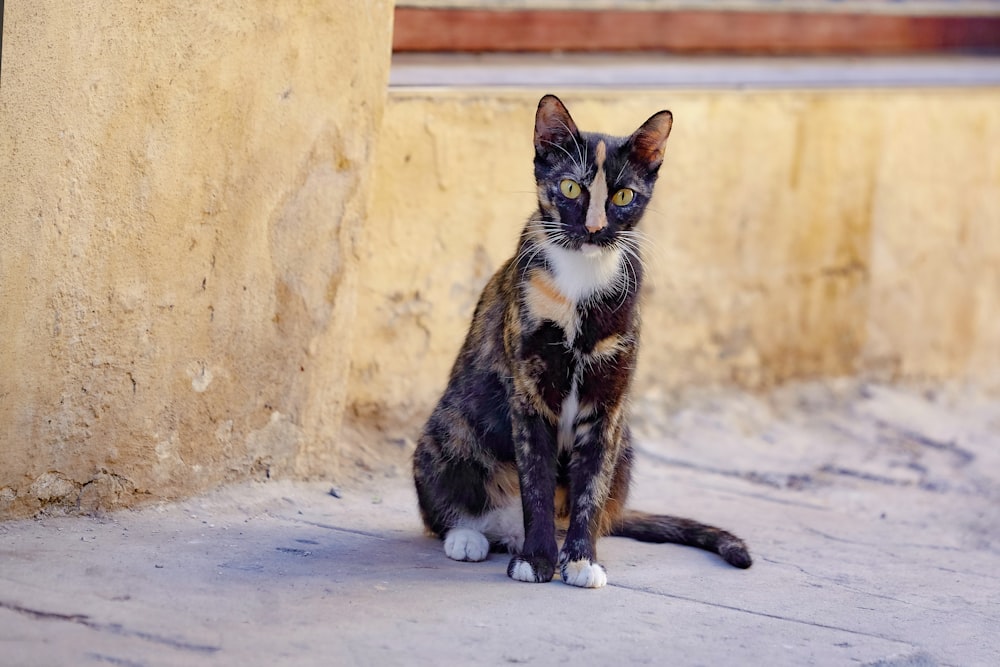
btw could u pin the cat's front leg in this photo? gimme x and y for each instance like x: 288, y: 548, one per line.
x: 591, y: 470
x: 536, y: 463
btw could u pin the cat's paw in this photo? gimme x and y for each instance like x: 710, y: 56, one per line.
x: 533, y: 569
x: 466, y: 544
x: 584, y: 573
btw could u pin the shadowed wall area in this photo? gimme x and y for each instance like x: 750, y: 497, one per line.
x: 183, y: 186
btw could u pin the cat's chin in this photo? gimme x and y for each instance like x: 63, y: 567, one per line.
x: 591, y: 250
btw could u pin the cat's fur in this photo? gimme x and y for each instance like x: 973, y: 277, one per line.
x: 532, y: 426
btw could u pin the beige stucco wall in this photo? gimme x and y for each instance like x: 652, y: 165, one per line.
x: 183, y: 186
x: 207, y: 257
x: 793, y: 234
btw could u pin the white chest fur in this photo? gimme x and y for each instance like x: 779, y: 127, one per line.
x: 580, y: 274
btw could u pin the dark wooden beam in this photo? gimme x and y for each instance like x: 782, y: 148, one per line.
x: 722, y: 32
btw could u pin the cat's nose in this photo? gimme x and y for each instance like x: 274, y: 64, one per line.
x: 596, y: 221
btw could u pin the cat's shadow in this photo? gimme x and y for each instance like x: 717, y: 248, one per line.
x: 346, y: 557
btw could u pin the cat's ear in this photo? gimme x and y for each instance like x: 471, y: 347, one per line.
x: 553, y: 125
x: 650, y: 140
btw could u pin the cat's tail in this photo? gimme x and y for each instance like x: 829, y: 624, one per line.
x: 660, y: 528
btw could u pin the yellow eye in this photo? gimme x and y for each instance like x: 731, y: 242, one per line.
x: 570, y: 188
x: 623, y: 197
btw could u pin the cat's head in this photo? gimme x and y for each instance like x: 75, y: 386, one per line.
x: 593, y: 188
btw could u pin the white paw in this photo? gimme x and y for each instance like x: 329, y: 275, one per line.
x: 466, y: 544
x: 522, y: 571
x: 585, y: 574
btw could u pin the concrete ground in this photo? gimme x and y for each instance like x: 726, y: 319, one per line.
x: 873, y: 514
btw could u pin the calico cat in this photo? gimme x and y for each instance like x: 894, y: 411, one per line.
x: 532, y: 428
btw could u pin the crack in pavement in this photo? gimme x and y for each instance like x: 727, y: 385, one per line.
x: 968, y: 573
x: 45, y: 615
x: 841, y: 471
x: 881, y: 596
x: 774, y: 480
x: 113, y: 628
x: 868, y: 543
x: 803, y: 480
x: 764, y: 614
x: 963, y: 456
x: 327, y: 526
x: 762, y: 496
x: 110, y: 659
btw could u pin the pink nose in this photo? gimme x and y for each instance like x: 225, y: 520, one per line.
x: 596, y: 223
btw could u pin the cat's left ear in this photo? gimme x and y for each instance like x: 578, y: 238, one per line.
x: 649, y: 141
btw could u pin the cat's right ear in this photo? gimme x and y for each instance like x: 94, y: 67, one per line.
x: 553, y: 126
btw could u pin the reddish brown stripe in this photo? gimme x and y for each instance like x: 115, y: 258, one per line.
x: 545, y: 286
x: 689, y: 32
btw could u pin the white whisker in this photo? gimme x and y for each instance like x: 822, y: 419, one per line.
x: 640, y: 240
x: 532, y: 248
x: 626, y: 279
x: 563, y: 149
x: 622, y: 171
x: 582, y: 164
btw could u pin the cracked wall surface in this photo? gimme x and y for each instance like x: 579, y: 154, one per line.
x: 183, y: 190
x: 793, y: 234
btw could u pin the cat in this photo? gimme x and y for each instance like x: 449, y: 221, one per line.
x: 532, y: 427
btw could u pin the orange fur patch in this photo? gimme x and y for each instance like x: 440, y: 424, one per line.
x: 607, y: 347
x: 546, y: 302
x: 504, y: 486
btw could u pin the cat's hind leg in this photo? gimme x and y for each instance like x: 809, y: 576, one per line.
x: 466, y: 544
x: 500, y: 527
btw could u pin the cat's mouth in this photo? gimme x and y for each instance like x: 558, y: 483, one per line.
x: 592, y: 244
x: 588, y: 244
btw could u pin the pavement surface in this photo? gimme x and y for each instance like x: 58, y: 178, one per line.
x: 873, y: 514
